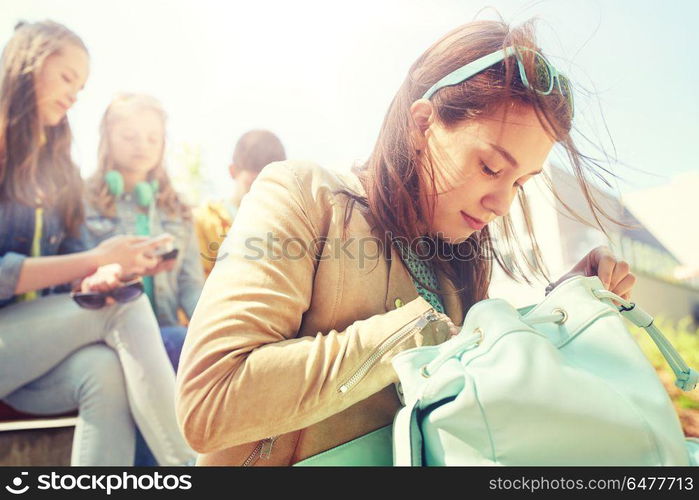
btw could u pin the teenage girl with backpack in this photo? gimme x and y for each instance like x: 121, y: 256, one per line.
x: 325, y: 276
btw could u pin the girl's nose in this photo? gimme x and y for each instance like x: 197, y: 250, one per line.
x: 499, y: 202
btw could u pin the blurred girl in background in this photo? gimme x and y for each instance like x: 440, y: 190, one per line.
x: 131, y: 194
x: 99, y: 352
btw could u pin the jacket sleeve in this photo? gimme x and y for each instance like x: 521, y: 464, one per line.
x: 10, y: 267
x: 190, y: 279
x: 244, y: 373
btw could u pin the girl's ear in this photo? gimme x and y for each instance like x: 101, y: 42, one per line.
x: 422, y: 113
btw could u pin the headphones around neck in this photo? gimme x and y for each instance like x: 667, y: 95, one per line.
x: 144, y: 191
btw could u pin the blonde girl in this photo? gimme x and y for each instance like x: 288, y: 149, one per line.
x: 56, y: 356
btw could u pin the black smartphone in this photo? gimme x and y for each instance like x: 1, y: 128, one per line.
x: 167, y: 254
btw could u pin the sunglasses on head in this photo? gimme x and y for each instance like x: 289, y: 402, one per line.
x: 96, y: 300
x: 547, y: 77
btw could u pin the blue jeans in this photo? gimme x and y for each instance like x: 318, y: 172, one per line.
x: 109, y: 364
x: 173, y: 339
x: 90, y: 379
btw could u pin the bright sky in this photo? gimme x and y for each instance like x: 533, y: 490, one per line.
x: 321, y: 74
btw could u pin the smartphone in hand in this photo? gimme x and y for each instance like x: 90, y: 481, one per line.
x: 164, y: 248
x: 166, y: 254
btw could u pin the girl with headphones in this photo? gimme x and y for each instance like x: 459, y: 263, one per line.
x: 131, y: 194
x: 87, y: 350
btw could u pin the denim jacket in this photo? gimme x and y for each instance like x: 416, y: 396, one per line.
x: 180, y: 287
x: 16, y: 235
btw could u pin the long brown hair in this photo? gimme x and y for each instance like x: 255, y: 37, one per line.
x: 98, y: 194
x: 32, y: 159
x: 391, y: 174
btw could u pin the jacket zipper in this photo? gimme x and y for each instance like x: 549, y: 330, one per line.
x: 388, y: 344
x: 262, y: 451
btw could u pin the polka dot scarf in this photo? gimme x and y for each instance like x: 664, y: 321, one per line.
x: 423, y: 270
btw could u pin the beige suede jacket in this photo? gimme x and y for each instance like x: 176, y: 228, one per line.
x: 288, y: 351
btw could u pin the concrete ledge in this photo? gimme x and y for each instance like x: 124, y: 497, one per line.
x: 38, y: 423
x: 36, y: 447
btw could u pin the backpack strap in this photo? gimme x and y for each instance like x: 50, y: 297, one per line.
x: 407, y: 439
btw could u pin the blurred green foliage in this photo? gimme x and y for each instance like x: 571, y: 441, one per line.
x: 685, y: 337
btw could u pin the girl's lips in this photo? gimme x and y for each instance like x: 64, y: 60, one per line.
x: 473, y: 223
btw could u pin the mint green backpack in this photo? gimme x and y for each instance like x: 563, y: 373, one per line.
x: 563, y: 384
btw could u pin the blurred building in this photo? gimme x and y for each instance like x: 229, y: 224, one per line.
x: 670, y: 212
x: 660, y: 242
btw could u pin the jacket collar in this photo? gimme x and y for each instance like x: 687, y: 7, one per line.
x: 401, y: 287
x: 400, y: 284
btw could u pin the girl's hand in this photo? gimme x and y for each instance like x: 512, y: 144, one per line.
x: 106, y: 278
x: 437, y: 332
x: 132, y: 253
x: 615, y: 274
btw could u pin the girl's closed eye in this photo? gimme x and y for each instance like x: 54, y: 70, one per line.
x: 489, y: 172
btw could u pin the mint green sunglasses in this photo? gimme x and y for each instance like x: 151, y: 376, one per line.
x: 547, y: 77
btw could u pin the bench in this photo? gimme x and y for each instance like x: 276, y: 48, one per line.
x: 32, y: 440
